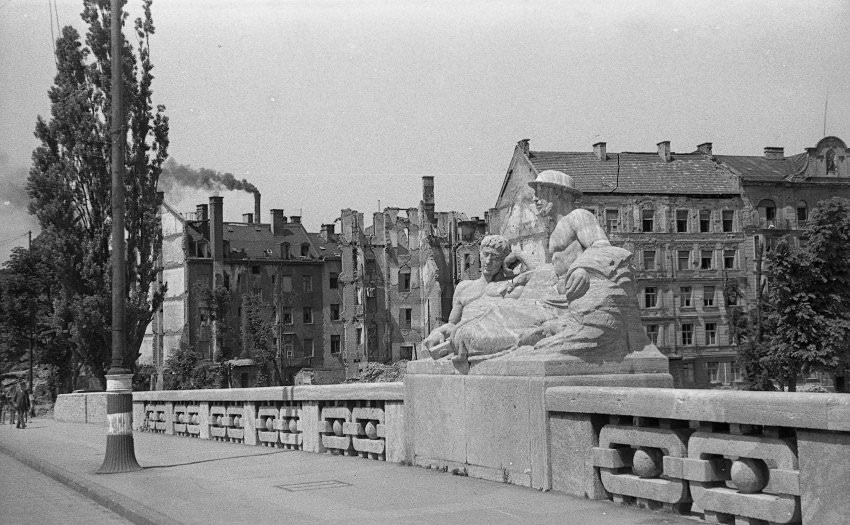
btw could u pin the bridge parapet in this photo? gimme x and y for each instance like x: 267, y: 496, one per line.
x: 731, y: 456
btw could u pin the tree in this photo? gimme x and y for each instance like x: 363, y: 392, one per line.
x: 258, y: 338
x: 69, y: 184
x: 807, y: 327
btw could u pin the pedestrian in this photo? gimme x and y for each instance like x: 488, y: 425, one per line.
x: 22, y: 402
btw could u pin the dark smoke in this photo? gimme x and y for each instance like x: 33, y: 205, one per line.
x: 176, y: 175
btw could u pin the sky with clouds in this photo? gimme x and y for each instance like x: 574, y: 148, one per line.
x: 325, y: 105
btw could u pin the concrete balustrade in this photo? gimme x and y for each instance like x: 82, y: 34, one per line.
x: 727, y: 456
x: 732, y: 456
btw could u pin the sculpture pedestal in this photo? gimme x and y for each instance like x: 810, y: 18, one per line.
x: 491, y: 423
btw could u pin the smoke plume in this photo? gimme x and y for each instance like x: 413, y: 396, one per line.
x: 175, y: 175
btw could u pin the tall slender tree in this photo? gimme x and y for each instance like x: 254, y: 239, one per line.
x: 69, y: 183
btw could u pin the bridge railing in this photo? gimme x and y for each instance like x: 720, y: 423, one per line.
x: 364, y: 420
x: 733, y: 456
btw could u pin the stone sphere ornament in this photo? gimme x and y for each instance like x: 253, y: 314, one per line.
x: 337, y: 427
x: 293, y: 425
x: 371, y: 430
x: 749, y: 475
x: 269, y: 423
x: 648, y: 462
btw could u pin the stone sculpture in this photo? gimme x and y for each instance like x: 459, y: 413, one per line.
x: 582, y: 303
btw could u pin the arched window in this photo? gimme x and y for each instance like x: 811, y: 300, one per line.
x: 802, y: 214
x: 830, y: 161
x: 767, y: 213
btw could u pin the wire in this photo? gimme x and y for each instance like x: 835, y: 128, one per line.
x: 52, y: 36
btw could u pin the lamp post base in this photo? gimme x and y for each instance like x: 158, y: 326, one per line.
x: 120, y: 450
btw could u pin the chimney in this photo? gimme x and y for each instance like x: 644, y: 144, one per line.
x: 328, y: 233
x: 705, y: 148
x: 217, y: 228
x: 202, y: 212
x: 296, y: 219
x: 664, y: 150
x: 524, y: 146
x: 257, y: 206
x: 247, y: 218
x: 278, y: 220
x: 774, y: 153
x: 599, y: 150
x: 428, y: 197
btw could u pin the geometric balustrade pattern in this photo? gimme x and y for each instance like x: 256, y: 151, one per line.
x: 280, y: 426
x: 155, y: 417
x: 750, y: 476
x: 352, y: 431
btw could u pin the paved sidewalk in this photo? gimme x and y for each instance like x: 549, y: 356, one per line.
x: 192, y: 481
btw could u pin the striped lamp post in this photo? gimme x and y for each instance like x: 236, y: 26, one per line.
x: 120, y: 452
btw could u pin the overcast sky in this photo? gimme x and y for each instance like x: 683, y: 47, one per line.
x: 326, y: 105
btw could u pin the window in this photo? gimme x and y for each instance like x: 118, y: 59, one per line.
x: 255, y: 270
x: 405, y: 317
x: 711, y: 333
x: 737, y: 376
x: 289, y: 345
x: 649, y: 259
x: 767, y: 213
x: 685, y: 296
x: 713, y: 371
x: 708, y: 296
x: 830, y: 161
x: 727, y: 220
x: 308, y: 315
x: 688, y: 372
x: 652, y: 333
x: 404, y: 280
x: 406, y: 352
x: 336, y: 346
x: 333, y: 281
x: 706, y: 260
x: 612, y: 219
x: 286, y: 283
x: 687, y: 334
x: 467, y: 261
x: 358, y: 295
x: 305, y: 250
x: 358, y: 337
x: 684, y: 260
x: 307, y: 282
x: 802, y: 214
x: 650, y: 297
x: 334, y: 312
x: 647, y: 220
x: 285, y: 251
x: 729, y: 259
x: 682, y: 221
x: 287, y: 315
x: 704, y: 221
x: 308, y: 348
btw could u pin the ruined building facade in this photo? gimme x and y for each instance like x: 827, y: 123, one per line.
x: 293, y: 272
x: 398, y: 276
x: 698, y: 225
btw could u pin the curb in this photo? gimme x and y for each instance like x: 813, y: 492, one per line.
x: 120, y: 504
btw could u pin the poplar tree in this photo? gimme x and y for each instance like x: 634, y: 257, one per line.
x: 69, y: 183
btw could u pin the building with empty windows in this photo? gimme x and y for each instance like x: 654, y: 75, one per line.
x: 697, y: 224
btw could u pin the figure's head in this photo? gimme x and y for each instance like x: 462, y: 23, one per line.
x: 494, y: 249
x: 553, y: 190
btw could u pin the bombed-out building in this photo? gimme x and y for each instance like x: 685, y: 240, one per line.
x: 210, y: 268
x: 698, y: 225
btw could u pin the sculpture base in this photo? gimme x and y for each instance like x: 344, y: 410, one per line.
x: 491, y: 423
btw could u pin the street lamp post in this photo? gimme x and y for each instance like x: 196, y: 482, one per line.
x: 120, y: 451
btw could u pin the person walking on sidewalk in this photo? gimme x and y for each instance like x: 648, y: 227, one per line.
x: 22, y: 404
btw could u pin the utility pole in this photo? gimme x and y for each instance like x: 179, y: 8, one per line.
x: 120, y: 451
x: 32, y: 314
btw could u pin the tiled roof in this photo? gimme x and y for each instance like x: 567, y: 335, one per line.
x: 326, y: 248
x: 759, y: 168
x: 685, y: 173
x: 257, y: 240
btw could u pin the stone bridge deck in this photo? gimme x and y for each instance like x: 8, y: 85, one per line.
x: 204, y: 481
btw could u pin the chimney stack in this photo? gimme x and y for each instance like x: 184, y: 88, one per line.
x: 774, y: 153
x: 328, y: 232
x: 278, y: 220
x: 295, y: 219
x: 428, y: 197
x: 705, y: 148
x: 217, y: 228
x: 248, y: 218
x: 600, y: 150
x: 664, y: 150
x: 201, y: 212
x: 257, y: 206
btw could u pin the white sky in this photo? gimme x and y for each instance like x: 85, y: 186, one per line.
x: 325, y: 105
